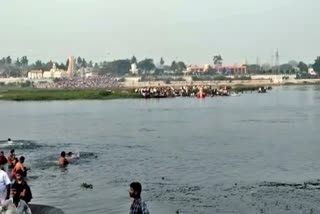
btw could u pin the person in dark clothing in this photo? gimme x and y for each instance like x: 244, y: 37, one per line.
x: 22, y: 187
x: 3, y: 160
x: 138, y: 206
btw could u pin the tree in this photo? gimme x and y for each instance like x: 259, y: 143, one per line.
x: 217, y: 60
x: 174, y: 66
x: 24, y: 61
x: 8, y: 60
x: 146, y: 65
x: 47, y: 66
x: 38, y: 65
x: 14, y: 72
x: 303, y: 66
x: 181, y: 66
x: 79, y: 61
x: 3, y: 61
x: 18, y: 63
x: 286, y: 67
x: 118, y: 67
x: 316, y: 65
x: 61, y: 66
x: 90, y: 65
x: 161, y: 61
x: 84, y: 63
x: 133, y: 60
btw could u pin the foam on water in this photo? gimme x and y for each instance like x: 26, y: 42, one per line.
x: 19, y: 144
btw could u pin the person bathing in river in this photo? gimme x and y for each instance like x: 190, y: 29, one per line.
x: 63, y: 160
x: 72, y: 156
x: 10, y: 141
x: 11, y: 159
x: 19, y: 166
x: 23, y: 189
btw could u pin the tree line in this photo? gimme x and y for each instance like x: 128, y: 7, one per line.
x: 21, y: 65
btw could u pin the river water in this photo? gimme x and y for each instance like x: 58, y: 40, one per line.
x: 256, y: 153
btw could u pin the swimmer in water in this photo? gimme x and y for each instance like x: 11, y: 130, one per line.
x: 72, y: 156
x: 62, y: 159
x: 10, y: 141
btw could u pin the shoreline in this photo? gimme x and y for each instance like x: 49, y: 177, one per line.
x: 219, y: 83
x: 127, y: 90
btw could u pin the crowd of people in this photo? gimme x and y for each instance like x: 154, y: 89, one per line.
x: 15, y: 193
x: 184, y: 91
x: 105, y: 81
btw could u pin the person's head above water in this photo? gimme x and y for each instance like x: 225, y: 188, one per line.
x: 1, y: 153
x: 135, y: 190
x: 19, y: 175
x: 9, y: 139
x: 70, y: 153
x: 22, y: 159
x: 63, y: 154
x: 12, y: 151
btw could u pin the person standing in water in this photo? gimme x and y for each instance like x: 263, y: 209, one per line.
x: 10, y: 141
x: 62, y: 159
x: 19, y: 166
x: 3, y: 161
x: 138, y: 206
x: 22, y: 187
x: 15, y: 204
x: 11, y: 159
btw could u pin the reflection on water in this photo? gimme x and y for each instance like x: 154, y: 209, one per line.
x: 258, y: 153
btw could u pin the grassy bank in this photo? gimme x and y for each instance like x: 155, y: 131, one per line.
x: 243, y: 88
x: 62, y: 94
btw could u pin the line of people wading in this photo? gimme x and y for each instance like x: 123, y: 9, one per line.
x: 190, y: 91
x: 184, y: 91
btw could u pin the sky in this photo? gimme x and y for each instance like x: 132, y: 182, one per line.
x: 189, y: 30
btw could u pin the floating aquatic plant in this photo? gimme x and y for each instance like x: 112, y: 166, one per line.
x: 86, y: 186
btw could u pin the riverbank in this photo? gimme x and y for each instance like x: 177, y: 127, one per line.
x: 127, y: 90
x: 134, y: 83
x: 63, y: 94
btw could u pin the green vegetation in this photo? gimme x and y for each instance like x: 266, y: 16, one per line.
x: 61, y: 94
x: 316, y: 65
x: 243, y: 88
x: 86, y: 186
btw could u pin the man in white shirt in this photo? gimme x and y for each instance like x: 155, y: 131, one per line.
x: 4, y: 186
